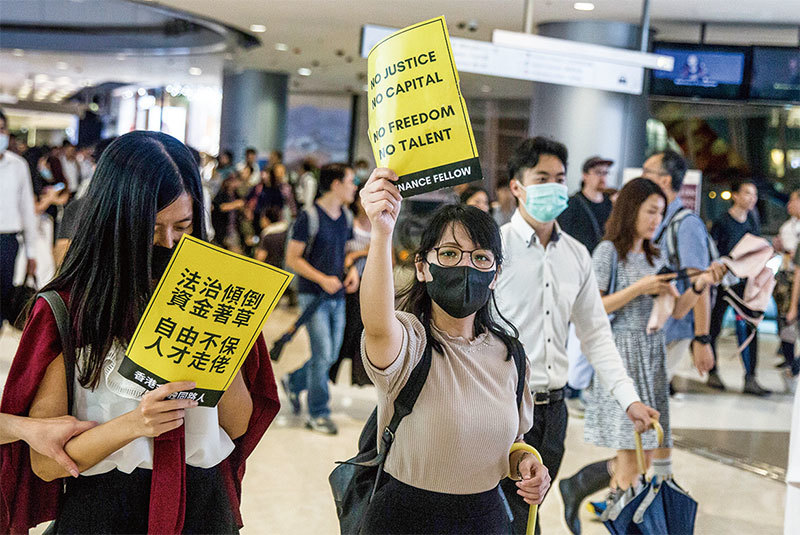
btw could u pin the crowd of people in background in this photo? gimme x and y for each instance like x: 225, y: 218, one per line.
x: 600, y: 262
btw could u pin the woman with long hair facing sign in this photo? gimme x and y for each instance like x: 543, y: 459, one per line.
x: 452, y: 450
x: 155, y: 464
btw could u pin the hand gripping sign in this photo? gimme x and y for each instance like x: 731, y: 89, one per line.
x: 202, y: 320
x: 418, y: 121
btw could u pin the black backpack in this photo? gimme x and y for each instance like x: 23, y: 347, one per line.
x: 355, y: 481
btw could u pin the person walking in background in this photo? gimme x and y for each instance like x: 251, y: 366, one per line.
x: 684, y: 239
x: 227, y: 209
x: 628, y: 266
x: 726, y: 232
x: 547, y: 282
x: 361, y: 169
x: 249, y: 170
x: 307, y: 183
x: 589, y: 209
x: 224, y: 166
x: 316, y: 253
x: 786, y: 242
x: 585, y: 220
x: 357, y: 250
x: 17, y: 215
x: 70, y: 166
x: 280, y: 180
x: 265, y: 202
x: 475, y: 196
x: 506, y: 204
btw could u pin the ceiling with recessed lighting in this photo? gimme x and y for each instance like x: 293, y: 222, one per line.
x: 317, y: 41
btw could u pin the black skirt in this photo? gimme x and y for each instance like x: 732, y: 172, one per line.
x: 116, y: 502
x: 401, y: 509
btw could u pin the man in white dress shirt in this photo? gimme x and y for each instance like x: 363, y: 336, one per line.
x: 17, y: 215
x: 70, y: 166
x: 547, y: 283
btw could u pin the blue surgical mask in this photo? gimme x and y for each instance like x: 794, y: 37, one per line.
x: 46, y: 173
x: 3, y: 142
x: 545, y: 202
x: 361, y: 176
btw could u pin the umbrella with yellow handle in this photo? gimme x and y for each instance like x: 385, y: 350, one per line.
x: 534, y: 510
x: 640, y: 460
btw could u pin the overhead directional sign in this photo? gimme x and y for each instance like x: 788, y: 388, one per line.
x: 561, y: 67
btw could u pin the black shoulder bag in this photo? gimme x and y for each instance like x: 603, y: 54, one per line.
x: 355, y: 481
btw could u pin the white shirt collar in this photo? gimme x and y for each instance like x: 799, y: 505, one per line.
x: 526, y: 232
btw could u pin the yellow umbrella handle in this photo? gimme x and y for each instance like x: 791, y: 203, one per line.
x: 534, y: 510
x: 640, y: 451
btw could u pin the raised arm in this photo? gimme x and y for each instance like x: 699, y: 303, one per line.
x: 383, y: 333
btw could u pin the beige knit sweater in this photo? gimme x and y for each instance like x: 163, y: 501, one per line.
x: 459, y: 434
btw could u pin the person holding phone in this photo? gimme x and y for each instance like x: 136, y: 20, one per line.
x: 156, y: 464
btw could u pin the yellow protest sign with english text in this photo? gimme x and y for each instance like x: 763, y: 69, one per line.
x: 418, y: 120
x: 202, y: 320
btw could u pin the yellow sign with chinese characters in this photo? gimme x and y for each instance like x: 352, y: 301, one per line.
x: 418, y: 120
x: 204, y: 317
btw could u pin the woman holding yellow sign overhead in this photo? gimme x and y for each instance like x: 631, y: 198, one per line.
x: 451, y: 451
x: 156, y: 462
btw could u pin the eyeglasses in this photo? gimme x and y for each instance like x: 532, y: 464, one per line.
x: 647, y: 171
x: 449, y: 256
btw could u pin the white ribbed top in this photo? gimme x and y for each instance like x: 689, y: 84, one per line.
x: 459, y: 434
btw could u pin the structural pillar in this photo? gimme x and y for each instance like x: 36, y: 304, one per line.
x: 593, y: 121
x: 254, y: 111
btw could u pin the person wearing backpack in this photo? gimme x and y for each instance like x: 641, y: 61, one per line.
x: 450, y: 453
x: 681, y: 236
x: 316, y: 253
x: 628, y: 267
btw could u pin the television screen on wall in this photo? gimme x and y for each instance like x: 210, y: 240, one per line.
x: 775, y: 74
x: 701, y: 71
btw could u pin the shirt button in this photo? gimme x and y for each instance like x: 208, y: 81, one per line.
x: 547, y: 285
x: 548, y: 340
x: 547, y: 312
x: 549, y: 367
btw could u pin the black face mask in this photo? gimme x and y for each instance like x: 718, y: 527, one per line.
x: 161, y: 258
x: 460, y: 290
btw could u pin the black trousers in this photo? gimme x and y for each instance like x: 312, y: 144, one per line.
x: 401, y: 509
x: 547, y: 436
x: 116, y: 502
x: 351, y: 342
x: 750, y: 353
x: 9, y: 247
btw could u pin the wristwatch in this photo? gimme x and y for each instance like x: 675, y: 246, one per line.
x: 702, y: 339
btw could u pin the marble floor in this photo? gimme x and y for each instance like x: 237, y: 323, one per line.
x: 733, y: 448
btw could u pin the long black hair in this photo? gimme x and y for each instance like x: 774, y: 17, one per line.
x: 107, y: 269
x: 485, y: 234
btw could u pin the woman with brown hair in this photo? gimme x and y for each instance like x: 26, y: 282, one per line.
x: 629, y: 274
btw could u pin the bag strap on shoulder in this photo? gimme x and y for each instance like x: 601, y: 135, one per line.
x: 612, y: 281
x: 61, y: 314
x: 592, y: 219
x: 405, y: 400
x: 521, y: 363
